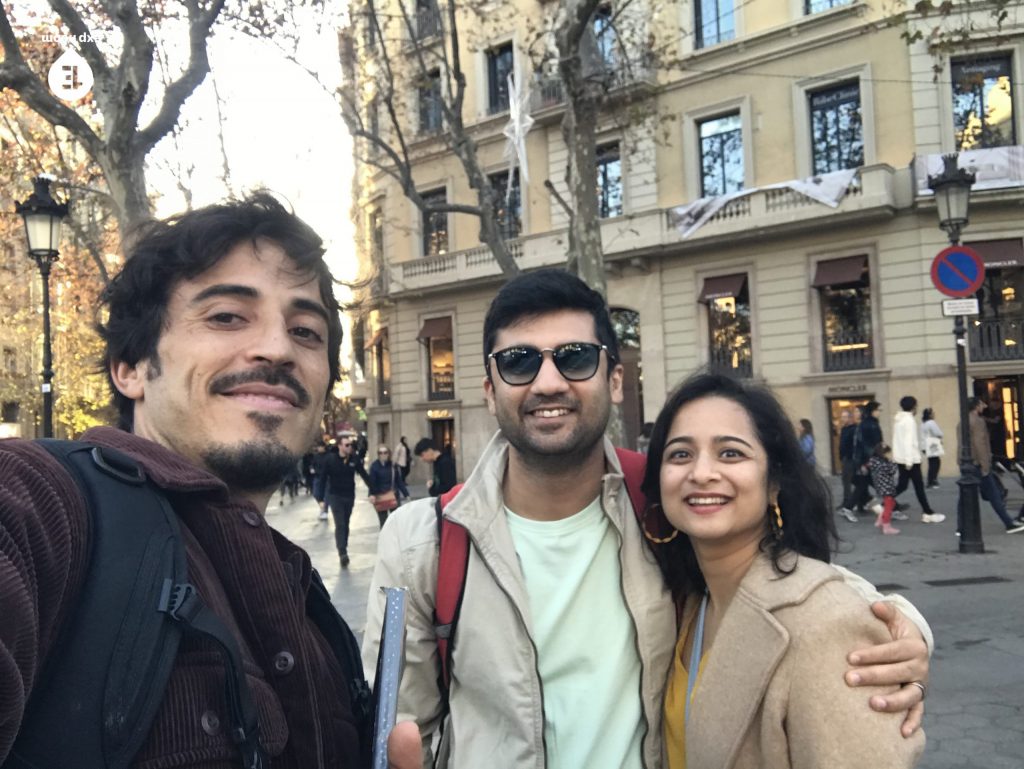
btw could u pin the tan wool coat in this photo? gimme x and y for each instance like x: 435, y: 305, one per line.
x: 771, y: 694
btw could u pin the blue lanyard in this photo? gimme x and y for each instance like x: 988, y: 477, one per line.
x: 695, y: 654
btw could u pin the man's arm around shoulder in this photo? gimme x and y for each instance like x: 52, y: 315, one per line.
x: 900, y: 661
x: 43, y: 531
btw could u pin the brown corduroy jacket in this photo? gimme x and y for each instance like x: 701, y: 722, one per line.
x: 251, y: 577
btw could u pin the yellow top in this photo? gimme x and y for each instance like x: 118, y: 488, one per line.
x: 675, y: 704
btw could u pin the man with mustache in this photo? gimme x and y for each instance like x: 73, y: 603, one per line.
x: 566, y: 630
x: 222, y: 340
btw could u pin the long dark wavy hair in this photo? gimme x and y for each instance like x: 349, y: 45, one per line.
x: 804, y: 498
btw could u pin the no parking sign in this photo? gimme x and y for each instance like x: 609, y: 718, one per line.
x: 958, y: 271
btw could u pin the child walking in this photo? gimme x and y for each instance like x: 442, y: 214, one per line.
x: 883, y: 477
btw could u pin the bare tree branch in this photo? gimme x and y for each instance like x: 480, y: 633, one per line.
x: 194, y: 74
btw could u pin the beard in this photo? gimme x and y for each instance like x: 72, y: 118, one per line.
x: 551, y: 454
x: 251, y: 466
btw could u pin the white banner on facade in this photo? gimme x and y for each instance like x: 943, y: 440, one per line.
x: 995, y: 168
x: 827, y: 189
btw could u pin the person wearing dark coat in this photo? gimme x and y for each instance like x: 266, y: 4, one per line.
x: 316, y: 470
x: 385, y: 476
x: 443, y: 462
x: 868, y: 435
x: 849, y: 466
x: 221, y: 339
x: 340, y: 470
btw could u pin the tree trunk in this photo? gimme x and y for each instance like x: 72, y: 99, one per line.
x: 579, y: 131
x: 126, y: 177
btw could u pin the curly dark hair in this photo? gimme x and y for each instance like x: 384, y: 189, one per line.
x: 182, y: 247
x: 804, y: 497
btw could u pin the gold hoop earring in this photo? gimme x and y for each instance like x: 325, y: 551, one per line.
x: 778, y: 520
x: 650, y: 537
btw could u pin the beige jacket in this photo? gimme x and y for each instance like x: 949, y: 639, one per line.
x: 771, y: 693
x: 497, y: 703
x: 981, y: 448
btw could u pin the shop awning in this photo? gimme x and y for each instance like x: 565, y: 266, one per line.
x: 436, y: 328
x: 381, y: 333
x: 1000, y: 253
x: 838, y: 272
x: 722, y: 286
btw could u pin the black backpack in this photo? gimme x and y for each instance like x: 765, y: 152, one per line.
x: 97, y: 696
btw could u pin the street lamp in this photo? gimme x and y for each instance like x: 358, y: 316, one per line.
x: 952, y: 190
x: 43, y: 216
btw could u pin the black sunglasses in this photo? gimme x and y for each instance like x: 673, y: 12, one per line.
x: 576, y: 361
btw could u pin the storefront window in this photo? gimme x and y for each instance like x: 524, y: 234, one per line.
x: 844, y: 286
x: 729, y: 339
x: 996, y: 332
x: 436, y: 337
x: 442, y: 369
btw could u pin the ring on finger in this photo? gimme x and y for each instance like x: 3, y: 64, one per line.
x: 921, y: 686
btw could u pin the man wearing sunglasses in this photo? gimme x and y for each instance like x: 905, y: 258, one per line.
x: 565, y: 631
x: 340, y: 470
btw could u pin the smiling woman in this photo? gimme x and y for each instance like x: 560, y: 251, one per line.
x: 766, y: 621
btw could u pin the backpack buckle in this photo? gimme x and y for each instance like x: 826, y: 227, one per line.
x: 121, y: 468
x: 179, y: 601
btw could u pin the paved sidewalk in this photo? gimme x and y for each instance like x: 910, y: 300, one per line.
x: 974, y: 603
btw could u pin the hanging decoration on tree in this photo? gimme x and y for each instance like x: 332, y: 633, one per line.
x: 519, y: 124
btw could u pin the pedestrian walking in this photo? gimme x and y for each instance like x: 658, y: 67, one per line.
x: 847, y: 432
x: 307, y: 472
x: 403, y: 458
x: 806, y: 436
x: 340, y: 469
x: 931, y: 442
x: 319, y: 479
x: 907, y: 454
x: 386, y: 484
x: 867, y: 436
x: 443, y: 462
x: 981, y: 455
x: 883, y: 477
x: 290, y: 484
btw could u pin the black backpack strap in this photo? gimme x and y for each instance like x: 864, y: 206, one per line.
x: 102, y: 684
x: 346, y: 649
x: 97, y: 697
x: 181, y: 603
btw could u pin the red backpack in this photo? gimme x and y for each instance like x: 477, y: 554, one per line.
x: 453, y: 559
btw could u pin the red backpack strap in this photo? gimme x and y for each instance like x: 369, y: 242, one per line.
x: 452, y: 561
x: 633, y: 466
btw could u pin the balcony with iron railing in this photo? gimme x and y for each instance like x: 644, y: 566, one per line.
x: 760, y: 214
x: 548, y: 92
x: 427, y: 23
x: 731, y: 361
x: 848, y: 352
x: 996, y: 339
